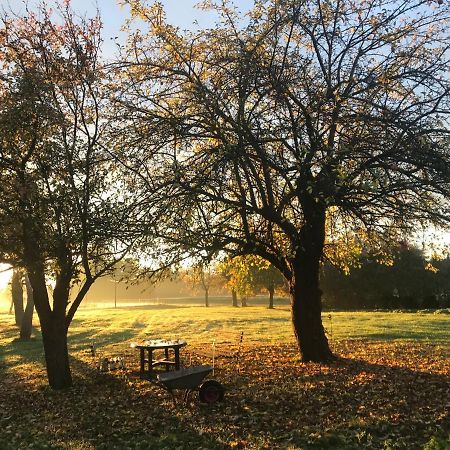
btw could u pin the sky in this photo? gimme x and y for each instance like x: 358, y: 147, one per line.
x: 181, y: 13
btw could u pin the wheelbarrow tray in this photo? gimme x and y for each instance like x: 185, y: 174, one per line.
x: 189, y: 378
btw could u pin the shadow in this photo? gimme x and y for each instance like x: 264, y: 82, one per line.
x: 102, y: 411
x: 375, y: 396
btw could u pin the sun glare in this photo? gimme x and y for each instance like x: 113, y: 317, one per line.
x: 5, y: 276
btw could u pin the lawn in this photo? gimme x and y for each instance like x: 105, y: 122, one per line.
x: 389, y: 388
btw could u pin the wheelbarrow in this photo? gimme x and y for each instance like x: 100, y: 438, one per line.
x: 191, y: 379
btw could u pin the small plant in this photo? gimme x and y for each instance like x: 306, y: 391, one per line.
x: 436, y: 443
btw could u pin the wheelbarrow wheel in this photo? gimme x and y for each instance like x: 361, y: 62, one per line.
x: 210, y: 392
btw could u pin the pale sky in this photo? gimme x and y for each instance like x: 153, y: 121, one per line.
x: 181, y: 13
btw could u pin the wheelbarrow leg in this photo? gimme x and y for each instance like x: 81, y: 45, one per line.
x: 187, y: 394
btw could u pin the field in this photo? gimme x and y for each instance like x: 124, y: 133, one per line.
x: 389, y: 388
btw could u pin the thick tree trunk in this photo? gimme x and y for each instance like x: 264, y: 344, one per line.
x: 306, y: 311
x: 234, y: 298
x: 54, y: 336
x: 306, y: 297
x: 206, y: 297
x: 17, y: 296
x: 54, y: 333
x: 54, y: 323
x: 27, y: 320
x: 271, y: 290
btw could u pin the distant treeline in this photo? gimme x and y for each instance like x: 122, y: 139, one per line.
x: 410, y: 282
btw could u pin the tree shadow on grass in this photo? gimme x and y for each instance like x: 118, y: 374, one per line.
x: 388, y: 396
x: 101, y: 411
x: 18, y: 351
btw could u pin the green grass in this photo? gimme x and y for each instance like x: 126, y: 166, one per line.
x: 198, y: 324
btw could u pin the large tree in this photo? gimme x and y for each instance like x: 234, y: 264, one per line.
x: 63, y: 214
x: 301, y: 120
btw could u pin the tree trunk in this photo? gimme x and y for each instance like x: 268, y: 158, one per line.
x: 54, y: 336
x: 27, y: 320
x: 306, y: 297
x: 234, y: 298
x: 54, y: 323
x: 271, y: 290
x: 17, y: 296
x: 206, y: 297
x: 54, y: 333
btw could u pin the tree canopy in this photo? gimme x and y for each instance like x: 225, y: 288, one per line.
x: 304, y: 121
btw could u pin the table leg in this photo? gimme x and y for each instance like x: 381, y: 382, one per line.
x: 150, y: 361
x: 166, y: 355
x: 177, y: 358
x: 142, y: 359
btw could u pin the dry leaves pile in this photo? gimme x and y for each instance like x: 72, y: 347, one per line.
x: 378, y: 395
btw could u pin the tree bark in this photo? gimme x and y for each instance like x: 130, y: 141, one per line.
x: 17, y: 296
x: 271, y: 290
x: 54, y: 333
x: 54, y: 336
x: 27, y: 320
x: 54, y: 323
x: 306, y: 297
x: 206, y: 297
x: 234, y: 298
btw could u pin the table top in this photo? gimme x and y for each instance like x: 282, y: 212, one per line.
x: 160, y: 343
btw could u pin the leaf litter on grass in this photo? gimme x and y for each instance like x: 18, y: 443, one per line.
x: 377, y: 395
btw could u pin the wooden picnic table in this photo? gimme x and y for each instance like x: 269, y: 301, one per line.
x: 147, y: 349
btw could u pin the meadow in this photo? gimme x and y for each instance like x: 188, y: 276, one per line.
x: 388, y: 389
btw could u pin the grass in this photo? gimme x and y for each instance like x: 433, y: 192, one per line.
x: 258, y: 322
x: 386, y: 391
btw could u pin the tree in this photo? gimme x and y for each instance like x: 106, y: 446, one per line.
x: 407, y: 280
x: 17, y: 296
x: 27, y: 319
x: 267, y: 276
x: 63, y: 214
x: 24, y: 318
x: 201, y: 275
x: 225, y: 269
x: 306, y: 117
x: 239, y: 275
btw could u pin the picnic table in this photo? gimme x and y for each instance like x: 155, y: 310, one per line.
x: 147, y: 349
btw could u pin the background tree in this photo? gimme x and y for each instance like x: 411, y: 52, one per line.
x: 239, y: 275
x: 27, y: 319
x: 407, y: 280
x: 17, y: 296
x: 306, y: 113
x: 268, y: 277
x: 201, y: 275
